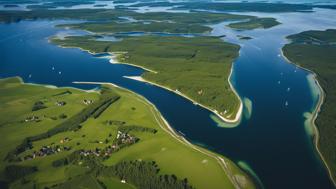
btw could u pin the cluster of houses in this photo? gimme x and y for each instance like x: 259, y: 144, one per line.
x: 46, y: 151
x: 87, y: 102
x: 99, y: 152
x: 123, y: 139
x: 32, y: 118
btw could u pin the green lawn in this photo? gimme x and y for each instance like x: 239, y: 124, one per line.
x: 16, y: 104
x: 316, y: 51
x: 171, y: 155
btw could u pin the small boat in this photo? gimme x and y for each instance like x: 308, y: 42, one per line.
x: 278, y: 82
x: 53, y: 68
x: 59, y: 73
x: 286, y: 104
x: 30, y: 75
x: 288, y: 89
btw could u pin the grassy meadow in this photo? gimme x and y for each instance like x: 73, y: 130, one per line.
x: 172, y: 157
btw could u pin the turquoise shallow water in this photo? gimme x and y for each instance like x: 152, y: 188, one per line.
x: 272, y: 140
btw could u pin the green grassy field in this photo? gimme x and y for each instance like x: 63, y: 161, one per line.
x: 255, y: 23
x: 17, y: 99
x: 316, y: 51
x: 197, y: 67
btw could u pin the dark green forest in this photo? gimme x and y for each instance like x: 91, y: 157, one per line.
x: 316, y: 51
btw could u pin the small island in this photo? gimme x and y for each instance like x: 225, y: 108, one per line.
x: 100, y: 5
x: 316, y: 51
x: 241, y: 37
x: 255, y: 23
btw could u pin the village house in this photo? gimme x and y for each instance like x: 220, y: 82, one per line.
x: 125, y: 138
x: 32, y: 118
x: 87, y: 102
x: 122, y: 138
x: 46, y: 151
x: 60, y: 103
x: 66, y: 139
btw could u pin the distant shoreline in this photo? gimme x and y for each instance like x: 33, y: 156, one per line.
x: 315, y: 113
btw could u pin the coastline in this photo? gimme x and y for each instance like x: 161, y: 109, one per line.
x: 163, y: 123
x: 50, y: 86
x: 238, y: 114
x: 114, y: 60
x: 315, y: 113
x: 70, y: 47
x: 73, y: 47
